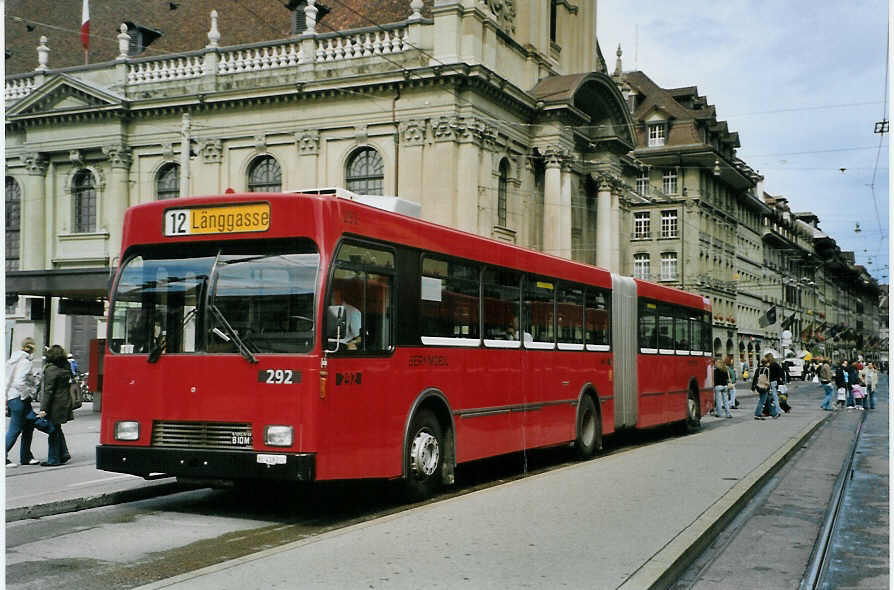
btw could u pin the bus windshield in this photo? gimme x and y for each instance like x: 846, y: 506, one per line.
x: 219, y: 300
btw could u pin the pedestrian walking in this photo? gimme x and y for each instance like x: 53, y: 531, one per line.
x: 826, y: 376
x: 55, y: 404
x: 19, y: 393
x: 731, y: 386
x: 721, y: 380
x: 870, y: 379
x: 853, y: 378
x: 761, y: 384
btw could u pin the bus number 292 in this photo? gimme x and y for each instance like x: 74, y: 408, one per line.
x: 279, y: 377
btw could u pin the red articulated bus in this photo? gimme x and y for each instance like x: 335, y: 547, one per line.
x: 311, y: 337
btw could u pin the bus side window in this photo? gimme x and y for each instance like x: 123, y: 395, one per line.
x: 597, y: 316
x: 665, y: 330
x: 502, y: 303
x: 569, y: 306
x: 648, y: 328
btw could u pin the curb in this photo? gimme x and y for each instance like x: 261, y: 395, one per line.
x: 87, y: 502
x: 671, y: 561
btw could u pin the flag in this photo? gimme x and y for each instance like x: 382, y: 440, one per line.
x: 787, y: 322
x: 768, y: 318
x: 85, y: 24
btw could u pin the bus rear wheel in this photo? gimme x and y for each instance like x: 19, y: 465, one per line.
x: 589, y: 429
x: 425, y: 456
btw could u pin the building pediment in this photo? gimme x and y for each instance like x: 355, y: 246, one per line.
x: 64, y: 95
x: 596, y: 96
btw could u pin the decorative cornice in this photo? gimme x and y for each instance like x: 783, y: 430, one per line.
x: 308, y: 141
x: 119, y: 155
x: 212, y: 151
x: 35, y: 163
x: 554, y: 156
x: 261, y: 143
x: 412, y: 132
x: 76, y: 158
x: 504, y: 11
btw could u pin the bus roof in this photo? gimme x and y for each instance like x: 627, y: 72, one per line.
x: 326, y: 217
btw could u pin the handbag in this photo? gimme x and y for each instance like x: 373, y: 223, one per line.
x: 42, y: 424
x: 74, y: 393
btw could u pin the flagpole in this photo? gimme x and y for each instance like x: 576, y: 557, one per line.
x: 86, y: 57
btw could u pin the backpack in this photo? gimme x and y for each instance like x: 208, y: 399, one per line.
x: 74, y: 392
x: 763, y: 379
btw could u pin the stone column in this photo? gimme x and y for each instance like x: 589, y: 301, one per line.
x: 412, y: 144
x: 468, y: 164
x: 32, y: 224
x: 566, y: 212
x: 553, y: 224
x: 616, y: 229
x: 117, y: 197
x: 603, y: 223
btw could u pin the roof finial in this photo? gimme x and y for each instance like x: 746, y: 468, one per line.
x: 214, y: 33
x: 310, y: 17
x: 43, y: 54
x: 618, y: 69
x: 123, y: 42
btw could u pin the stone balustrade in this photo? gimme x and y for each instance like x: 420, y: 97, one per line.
x: 163, y: 70
x: 362, y: 44
x: 256, y: 59
x: 17, y: 88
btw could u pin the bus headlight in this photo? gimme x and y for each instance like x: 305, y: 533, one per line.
x: 127, y: 430
x: 278, y: 436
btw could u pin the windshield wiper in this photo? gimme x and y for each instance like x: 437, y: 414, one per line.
x: 232, y: 335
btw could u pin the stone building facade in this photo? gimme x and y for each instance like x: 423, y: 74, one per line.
x: 499, y: 118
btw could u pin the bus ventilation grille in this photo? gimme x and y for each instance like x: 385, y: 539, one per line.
x: 207, y: 435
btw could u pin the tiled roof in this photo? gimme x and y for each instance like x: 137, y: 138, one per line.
x: 184, y: 25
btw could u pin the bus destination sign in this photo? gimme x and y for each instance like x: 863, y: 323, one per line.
x: 250, y: 217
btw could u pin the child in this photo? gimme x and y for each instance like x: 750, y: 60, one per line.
x: 859, y: 395
x: 842, y: 397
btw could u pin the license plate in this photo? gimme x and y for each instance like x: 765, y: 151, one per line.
x: 271, y: 459
x: 226, y: 219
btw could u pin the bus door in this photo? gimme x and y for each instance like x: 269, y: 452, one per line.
x: 361, y: 428
x: 492, y: 422
x: 548, y: 375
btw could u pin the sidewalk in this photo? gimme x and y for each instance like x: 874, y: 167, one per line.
x: 630, y: 520
x: 33, y: 491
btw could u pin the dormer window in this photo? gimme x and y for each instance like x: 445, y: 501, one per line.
x: 140, y: 38
x: 299, y: 17
x: 656, y: 134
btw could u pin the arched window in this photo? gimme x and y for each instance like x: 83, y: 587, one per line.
x: 264, y: 175
x: 13, y: 223
x: 365, y: 172
x: 84, y: 193
x: 501, y: 192
x: 167, y: 182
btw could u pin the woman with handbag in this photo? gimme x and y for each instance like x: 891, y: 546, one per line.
x: 55, y: 404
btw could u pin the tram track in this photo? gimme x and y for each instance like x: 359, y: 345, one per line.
x: 819, y: 561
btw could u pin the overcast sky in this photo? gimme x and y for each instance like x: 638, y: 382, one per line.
x: 801, y: 81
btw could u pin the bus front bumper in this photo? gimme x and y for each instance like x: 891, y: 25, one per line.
x: 205, y: 463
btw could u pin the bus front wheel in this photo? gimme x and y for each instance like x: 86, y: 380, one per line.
x: 693, y: 414
x: 425, y: 456
x: 589, y: 429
